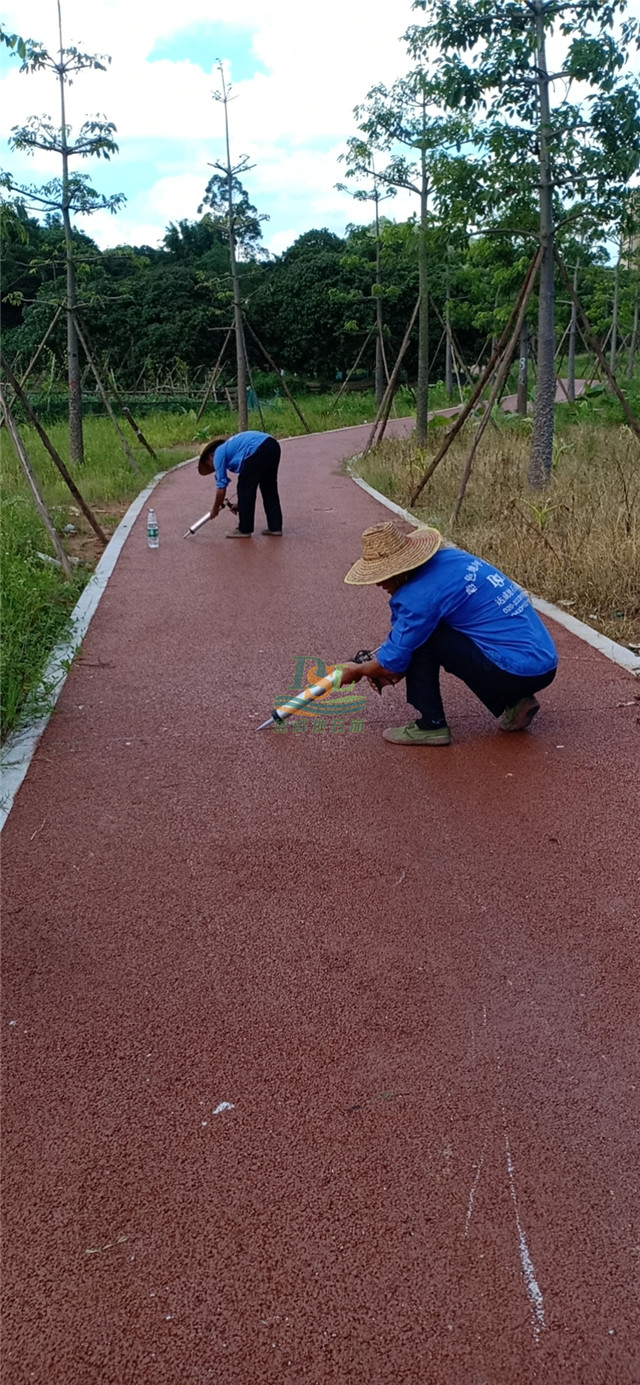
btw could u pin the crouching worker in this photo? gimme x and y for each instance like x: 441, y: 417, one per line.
x: 454, y: 611
x: 255, y: 457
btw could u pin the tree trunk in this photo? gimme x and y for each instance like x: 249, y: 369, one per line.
x: 541, y: 456
x: 523, y: 371
x: 422, y: 392
x: 634, y: 339
x: 613, y: 353
x: 241, y: 350
x: 76, y: 439
x: 380, y: 373
x: 573, y: 332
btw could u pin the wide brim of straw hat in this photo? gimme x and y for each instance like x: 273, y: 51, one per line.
x: 387, y: 552
x: 208, y: 448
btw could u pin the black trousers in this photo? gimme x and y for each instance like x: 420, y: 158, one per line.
x: 449, y: 649
x: 260, y: 470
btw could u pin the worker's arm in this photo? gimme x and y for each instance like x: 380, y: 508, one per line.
x: 352, y: 673
x: 219, y: 501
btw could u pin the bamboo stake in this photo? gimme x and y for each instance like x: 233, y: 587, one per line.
x: 382, y: 416
x: 55, y: 456
x: 471, y: 402
x: 38, y: 497
x: 454, y: 358
x: 45, y: 338
x: 355, y: 365
x: 131, y: 420
x: 596, y: 347
x: 250, y: 374
x: 138, y: 431
x: 216, y: 372
x: 285, y: 386
x: 105, y: 400
x: 498, y: 386
x: 34, y: 358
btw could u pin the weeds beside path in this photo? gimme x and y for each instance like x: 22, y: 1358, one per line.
x: 577, y: 543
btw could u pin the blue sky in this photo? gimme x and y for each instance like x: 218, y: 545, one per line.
x: 205, y: 44
x: 296, y: 70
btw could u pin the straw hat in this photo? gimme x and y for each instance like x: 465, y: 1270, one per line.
x: 386, y: 552
x: 206, y: 452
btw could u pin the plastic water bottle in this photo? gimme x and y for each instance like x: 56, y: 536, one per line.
x: 152, y: 530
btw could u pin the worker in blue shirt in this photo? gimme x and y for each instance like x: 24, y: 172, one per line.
x: 451, y: 610
x: 255, y: 457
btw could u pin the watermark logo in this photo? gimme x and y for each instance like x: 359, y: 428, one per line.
x: 335, y: 713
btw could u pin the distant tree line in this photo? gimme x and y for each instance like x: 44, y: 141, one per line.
x: 149, y: 312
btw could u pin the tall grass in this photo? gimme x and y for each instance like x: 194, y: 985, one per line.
x: 36, y: 605
x: 576, y: 544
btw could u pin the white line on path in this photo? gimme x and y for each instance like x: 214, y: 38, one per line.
x: 471, y: 1197
x: 534, y: 1292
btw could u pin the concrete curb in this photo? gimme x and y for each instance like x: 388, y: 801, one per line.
x: 20, y: 747
x: 618, y: 653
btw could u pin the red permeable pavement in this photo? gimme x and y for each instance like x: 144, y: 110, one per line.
x: 412, y: 975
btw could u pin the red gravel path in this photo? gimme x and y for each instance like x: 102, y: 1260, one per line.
x: 414, y: 976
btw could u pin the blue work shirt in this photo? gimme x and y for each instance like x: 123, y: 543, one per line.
x: 230, y: 455
x: 474, y: 597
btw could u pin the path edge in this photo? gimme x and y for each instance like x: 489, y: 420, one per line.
x: 20, y: 746
x: 618, y: 653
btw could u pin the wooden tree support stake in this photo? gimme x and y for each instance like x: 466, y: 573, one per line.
x: 596, y: 347
x: 214, y: 376
x: 382, y: 416
x: 105, y: 399
x: 131, y: 420
x: 486, y: 375
x: 38, y: 497
x: 498, y: 386
x: 250, y: 374
x: 355, y: 365
x: 55, y: 456
x: 34, y: 358
x: 138, y: 431
x: 285, y: 386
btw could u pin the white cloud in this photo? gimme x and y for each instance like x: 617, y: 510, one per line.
x: 292, y: 120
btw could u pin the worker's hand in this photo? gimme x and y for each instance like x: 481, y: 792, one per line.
x: 386, y: 679
x: 351, y: 673
x: 373, y: 671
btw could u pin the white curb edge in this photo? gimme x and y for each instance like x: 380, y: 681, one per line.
x: 618, y: 653
x: 19, y: 748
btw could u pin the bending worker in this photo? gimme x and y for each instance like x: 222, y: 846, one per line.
x: 454, y: 611
x: 255, y: 457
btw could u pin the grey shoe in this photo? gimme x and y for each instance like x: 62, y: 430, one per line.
x: 238, y: 534
x: 519, y: 717
x: 273, y: 533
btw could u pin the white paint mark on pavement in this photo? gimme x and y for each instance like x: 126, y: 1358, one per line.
x: 224, y: 1106
x: 471, y: 1197
x: 534, y: 1292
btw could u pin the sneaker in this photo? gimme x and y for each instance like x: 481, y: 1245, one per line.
x: 238, y: 534
x: 274, y: 533
x: 413, y: 735
x: 518, y: 718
